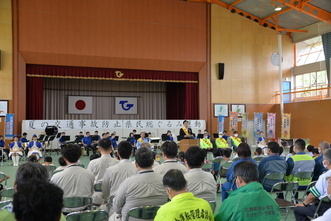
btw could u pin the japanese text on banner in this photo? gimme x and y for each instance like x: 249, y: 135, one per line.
x: 286, y: 126
x: 244, y: 125
x: 271, y: 125
x: 258, y: 121
x: 233, y: 121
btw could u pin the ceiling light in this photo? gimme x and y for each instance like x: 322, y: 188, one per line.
x: 278, y: 8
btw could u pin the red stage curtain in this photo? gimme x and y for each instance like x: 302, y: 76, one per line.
x: 182, y: 101
x: 34, y: 98
x: 33, y: 70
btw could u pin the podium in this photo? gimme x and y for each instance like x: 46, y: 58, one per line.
x: 186, y: 143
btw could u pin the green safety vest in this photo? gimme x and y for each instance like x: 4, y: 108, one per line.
x: 302, y: 163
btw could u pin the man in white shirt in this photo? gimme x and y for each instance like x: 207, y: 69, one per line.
x: 202, y: 184
x: 319, y: 191
x: 116, y: 174
x: 75, y: 181
x: 169, y: 153
x: 143, y: 189
x: 98, y: 166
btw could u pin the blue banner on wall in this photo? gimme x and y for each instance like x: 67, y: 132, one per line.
x: 9, y: 126
x: 220, y: 127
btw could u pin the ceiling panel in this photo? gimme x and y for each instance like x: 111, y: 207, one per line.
x: 323, y: 4
x: 294, y: 20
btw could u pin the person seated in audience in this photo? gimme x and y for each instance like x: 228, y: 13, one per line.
x: 28, y: 177
x: 319, y: 191
x: 15, y: 151
x: 42, y: 203
x: 68, y: 179
x: 117, y: 173
x: 113, y: 140
x: 234, y: 140
x: 99, y: 166
x: 143, y: 139
x: 221, y: 143
x: 244, y: 153
x: 201, y: 184
x: 316, y: 154
x: 226, y: 156
x: 143, y: 189
x: 300, y: 162
x: 156, y: 163
x: 63, y: 164
x: 310, y: 149
x: 33, y: 159
x: 327, y: 214
x: 216, y: 166
x: 182, y: 202
x: 181, y: 157
x: 258, y: 152
x: 48, y: 161
x: 281, y: 152
x: 169, y: 153
x: 319, y: 168
x: 272, y: 164
x: 250, y: 202
x: 205, y: 142
x: 291, y: 153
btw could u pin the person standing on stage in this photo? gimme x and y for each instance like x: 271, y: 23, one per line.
x: 34, y: 147
x: 87, y: 141
x: 15, y: 151
x: 185, y: 131
x: 143, y: 139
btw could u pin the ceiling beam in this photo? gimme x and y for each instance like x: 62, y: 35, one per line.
x: 309, y: 9
x: 234, y: 3
x: 276, y: 14
x: 247, y: 15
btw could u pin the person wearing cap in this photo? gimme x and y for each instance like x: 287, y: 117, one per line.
x: 15, y: 151
x: 171, y: 138
x: 34, y: 147
x: 25, y: 143
x: 221, y: 143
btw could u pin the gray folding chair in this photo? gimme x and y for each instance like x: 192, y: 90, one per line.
x: 285, y: 188
x: 307, y: 190
x: 3, y: 176
x: 98, y: 187
x: 7, y: 193
x: 207, y: 166
x: 76, y: 204
x: 273, y: 176
x: 143, y: 212
x: 110, y: 202
x: 326, y: 199
x: 88, y: 215
x: 212, y: 205
x: 50, y: 169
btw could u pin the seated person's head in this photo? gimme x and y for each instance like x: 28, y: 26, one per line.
x: 299, y: 145
x: 258, y: 151
x: 316, y: 152
x: 62, y: 162
x: 174, y: 182
x: 124, y: 149
x: 245, y: 172
x: 32, y: 158
x: 94, y: 156
x: 292, y: 150
x: 48, y: 160
x: 216, y: 153
x: 43, y: 202
x: 273, y: 147
x: 281, y: 150
x: 144, y: 158
x: 244, y: 151
x: 71, y: 153
x: 310, y: 148
x: 284, y: 143
x: 226, y: 153
x: 181, y: 156
x: 169, y: 149
x: 147, y: 145
x: 327, y: 159
x: 105, y: 145
x: 30, y: 174
x: 195, y: 157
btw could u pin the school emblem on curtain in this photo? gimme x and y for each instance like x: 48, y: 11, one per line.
x: 220, y: 126
x: 244, y: 125
x: 258, y: 121
x: 233, y: 121
x: 271, y: 125
x: 286, y: 126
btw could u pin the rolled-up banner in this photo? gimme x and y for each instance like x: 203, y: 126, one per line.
x: 244, y: 125
x: 233, y: 121
x: 258, y: 124
x: 220, y: 126
x: 9, y: 126
x: 271, y: 125
x: 286, y: 126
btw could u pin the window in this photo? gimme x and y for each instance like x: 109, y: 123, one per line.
x: 309, y: 51
x: 310, y: 81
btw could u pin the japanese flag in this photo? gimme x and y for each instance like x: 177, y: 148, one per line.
x: 79, y: 105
